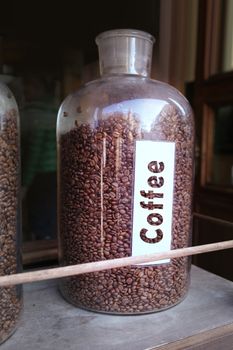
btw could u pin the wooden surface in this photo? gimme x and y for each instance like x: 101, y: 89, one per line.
x: 203, y: 321
x: 34, y: 252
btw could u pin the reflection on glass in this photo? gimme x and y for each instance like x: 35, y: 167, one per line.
x: 38, y: 140
x: 222, y: 159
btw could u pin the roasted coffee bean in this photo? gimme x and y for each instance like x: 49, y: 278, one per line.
x: 96, y: 199
x: 10, y: 298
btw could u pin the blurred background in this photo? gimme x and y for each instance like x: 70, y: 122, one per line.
x: 46, y: 52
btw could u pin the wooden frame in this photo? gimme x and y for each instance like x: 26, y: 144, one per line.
x: 207, y: 146
x: 213, y: 34
x: 211, y: 90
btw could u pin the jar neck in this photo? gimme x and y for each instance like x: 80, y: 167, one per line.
x: 125, y: 51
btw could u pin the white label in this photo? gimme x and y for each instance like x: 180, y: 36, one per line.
x: 153, y: 198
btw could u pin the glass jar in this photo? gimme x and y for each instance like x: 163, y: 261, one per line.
x: 10, y: 262
x: 125, y: 154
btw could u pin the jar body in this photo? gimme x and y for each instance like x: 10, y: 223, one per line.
x: 125, y: 155
x: 10, y: 262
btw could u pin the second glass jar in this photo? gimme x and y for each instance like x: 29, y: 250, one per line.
x: 11, y: 298
x: 125, y: 157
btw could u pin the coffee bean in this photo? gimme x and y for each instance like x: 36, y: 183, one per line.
x: 111, y: 146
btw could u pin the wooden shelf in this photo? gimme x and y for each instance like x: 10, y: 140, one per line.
x: 204, y: 320
x: 35, y: 252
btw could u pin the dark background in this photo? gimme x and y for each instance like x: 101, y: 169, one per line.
x: 45, y: 29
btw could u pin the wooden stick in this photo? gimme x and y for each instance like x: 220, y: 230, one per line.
x: 79, y: 269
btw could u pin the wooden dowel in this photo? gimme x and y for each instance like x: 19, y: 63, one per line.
x: 79, y: 269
